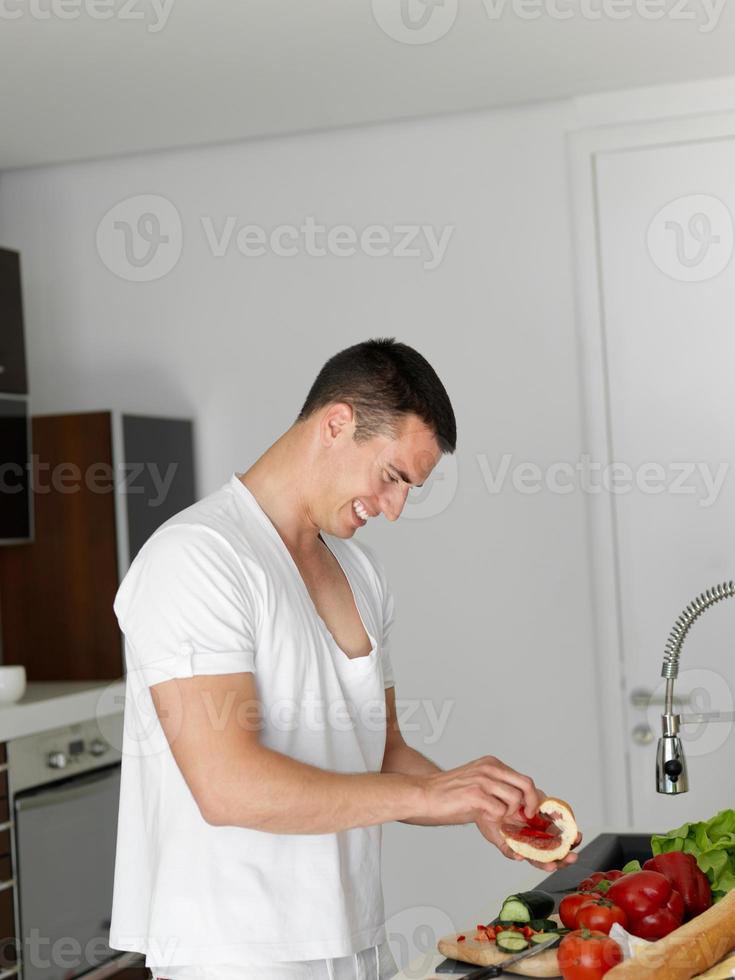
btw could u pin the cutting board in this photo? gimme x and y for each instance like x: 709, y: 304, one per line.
x: 544, y: 964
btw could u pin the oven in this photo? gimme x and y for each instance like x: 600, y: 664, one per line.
x: 64, y: 789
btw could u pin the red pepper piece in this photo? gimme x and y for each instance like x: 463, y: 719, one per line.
x: 461, y: 939
x: 683, y: 874
x: 653, y: 907
x: 537, y: 822
x: 535, y: 834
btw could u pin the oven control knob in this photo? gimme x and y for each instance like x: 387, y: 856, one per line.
x: 98, y: 747
x: 57, y: 760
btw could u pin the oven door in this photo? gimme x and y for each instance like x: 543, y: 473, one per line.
x: 65, y: 836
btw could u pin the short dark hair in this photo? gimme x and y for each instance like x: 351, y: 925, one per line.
x: 384, y: 381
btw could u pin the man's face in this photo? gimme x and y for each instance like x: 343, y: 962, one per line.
x: 375, y: 477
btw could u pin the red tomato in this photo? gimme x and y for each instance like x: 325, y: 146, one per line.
x: 587, y: 955
x: 570, y: 906
x: 600, y: 881
x: 599, y: 914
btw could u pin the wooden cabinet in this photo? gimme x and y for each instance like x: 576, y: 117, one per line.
x: 104, y: 482
x: 13, y: 376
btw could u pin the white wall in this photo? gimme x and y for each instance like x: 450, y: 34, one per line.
x: 493, y: 605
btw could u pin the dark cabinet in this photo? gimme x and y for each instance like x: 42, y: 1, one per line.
x: 13, y: 376
x: 103, y: 482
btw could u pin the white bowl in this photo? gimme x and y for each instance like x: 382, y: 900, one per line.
x: 12, y: 683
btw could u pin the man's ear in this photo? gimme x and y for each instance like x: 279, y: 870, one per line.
x: 337, y: 418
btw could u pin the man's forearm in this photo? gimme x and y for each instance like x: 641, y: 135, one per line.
x: 404, y: 759
x: 410, y: 762
x: 268, y: 791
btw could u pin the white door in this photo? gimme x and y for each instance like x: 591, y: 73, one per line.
x: 667, y: 310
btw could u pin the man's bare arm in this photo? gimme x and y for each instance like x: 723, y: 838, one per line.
x: 400, y: 757
x: 212, y: 725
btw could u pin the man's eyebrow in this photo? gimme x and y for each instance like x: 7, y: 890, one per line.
x: 404, y: 476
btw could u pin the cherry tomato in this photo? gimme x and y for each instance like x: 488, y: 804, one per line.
x: 570, y: 906
x: 599, y: 881
x: 587, y: 955
x: 599, y: 914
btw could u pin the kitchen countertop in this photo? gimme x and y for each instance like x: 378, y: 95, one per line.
x: 52, y: 704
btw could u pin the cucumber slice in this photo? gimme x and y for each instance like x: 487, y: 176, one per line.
x: 514, y: 910
x: 542, y: 937
x: 511, y: 942
x: 526, y: 906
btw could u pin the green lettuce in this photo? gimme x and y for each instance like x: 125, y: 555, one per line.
x: 712, y: 842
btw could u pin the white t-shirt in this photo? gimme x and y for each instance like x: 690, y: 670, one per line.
x: 215, y: 591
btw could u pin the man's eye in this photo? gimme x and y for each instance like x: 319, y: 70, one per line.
x: 392, y: 479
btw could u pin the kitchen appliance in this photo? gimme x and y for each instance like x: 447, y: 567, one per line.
x: 671, y: 769
x: 64, y: 787
x: 16, y: 519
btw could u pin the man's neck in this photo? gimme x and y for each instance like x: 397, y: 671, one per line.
x: 276, y: 481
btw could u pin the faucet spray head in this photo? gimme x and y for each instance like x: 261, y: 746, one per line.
x: 671, y: 764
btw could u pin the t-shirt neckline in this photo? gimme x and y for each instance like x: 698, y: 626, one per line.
x: 270, y: 527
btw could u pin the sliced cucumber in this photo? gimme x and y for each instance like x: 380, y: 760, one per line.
x: 526, y: 906
x: 542, y: 937
x: 514, y: 910
x: 511, y: 942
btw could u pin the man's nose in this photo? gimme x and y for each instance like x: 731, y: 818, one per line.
x: 394, y: 501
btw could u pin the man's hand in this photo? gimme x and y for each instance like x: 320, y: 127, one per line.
x: 485, y: 789
x: 491, y: 831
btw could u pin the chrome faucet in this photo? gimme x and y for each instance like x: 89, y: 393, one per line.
x: 671, y: 766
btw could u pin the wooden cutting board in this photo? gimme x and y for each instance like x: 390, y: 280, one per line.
x: 544, y: 964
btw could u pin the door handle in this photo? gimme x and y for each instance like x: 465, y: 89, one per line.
x: 643, y: 697
x: 642, y: 735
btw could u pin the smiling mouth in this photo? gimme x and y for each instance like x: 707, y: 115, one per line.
x: 361, y: 511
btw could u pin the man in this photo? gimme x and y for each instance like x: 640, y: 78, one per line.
x: 262, y: 752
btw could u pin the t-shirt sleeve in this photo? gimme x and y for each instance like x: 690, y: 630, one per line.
x: 186, y: 607
x: 388, y: 612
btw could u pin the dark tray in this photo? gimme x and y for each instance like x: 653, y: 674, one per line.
x: 605, y: 852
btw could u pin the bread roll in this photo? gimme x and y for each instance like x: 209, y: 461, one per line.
x: 563, y: 831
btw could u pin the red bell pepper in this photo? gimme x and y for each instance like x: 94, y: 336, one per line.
x: 653, y: 907
x: 683, y: 874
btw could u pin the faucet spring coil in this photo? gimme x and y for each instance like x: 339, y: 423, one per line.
x: 685, y: 622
